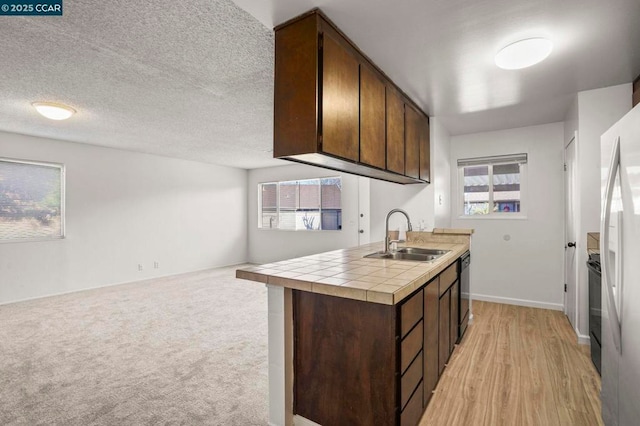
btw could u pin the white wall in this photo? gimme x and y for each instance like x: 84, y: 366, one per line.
x: 528, y: 268
x: 429, y: 204
x: 269, y: 245
x: 441, y: 152
x: 122, y: 209
x: 593, y: 112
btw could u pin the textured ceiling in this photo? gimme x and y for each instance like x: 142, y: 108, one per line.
x: 190, y: 79
x: 194, y: 79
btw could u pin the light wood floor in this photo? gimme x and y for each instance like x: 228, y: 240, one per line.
x: 517, y: 366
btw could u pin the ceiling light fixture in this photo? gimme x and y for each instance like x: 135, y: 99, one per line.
x: 54, y: 111
x: 524, y: 53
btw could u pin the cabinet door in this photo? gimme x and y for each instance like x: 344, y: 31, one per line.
x: 444, y: 331
x: 425, y: 150
x: 431, y: 315
x: 455, y: 315
x: 395, y: 131
x: 372, y: 119
x: 412, y: 142
x: 340, y: 100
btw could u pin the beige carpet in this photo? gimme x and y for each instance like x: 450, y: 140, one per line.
x: 184, y: 350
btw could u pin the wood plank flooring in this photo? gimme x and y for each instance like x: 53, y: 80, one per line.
x: 517, y: 366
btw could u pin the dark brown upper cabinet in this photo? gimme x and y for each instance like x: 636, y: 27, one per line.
x: 372, y: 118
x: 334, y: 108
x: 412, y: 129
x: 395, y: 132
x: 340, y: 100
x: 636, y: 91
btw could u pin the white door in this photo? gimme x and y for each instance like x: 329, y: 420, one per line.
x: 364, y: 205
x: 570, y: 272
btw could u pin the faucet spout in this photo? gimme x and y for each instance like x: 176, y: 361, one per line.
x: 387, y: 240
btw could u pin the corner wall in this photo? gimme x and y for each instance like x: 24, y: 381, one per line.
x: 440, y: 157
x: 124, y: 209
x: 518, y: 261
x: 593, y: 112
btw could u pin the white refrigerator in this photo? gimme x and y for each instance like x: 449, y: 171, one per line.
x: 620, y: 260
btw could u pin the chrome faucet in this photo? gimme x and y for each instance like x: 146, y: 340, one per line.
x: 387, y: 240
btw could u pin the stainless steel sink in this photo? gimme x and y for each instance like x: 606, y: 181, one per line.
x: 409, y: 253
x: 416, y: 250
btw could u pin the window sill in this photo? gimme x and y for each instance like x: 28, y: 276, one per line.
x: 494, y: 217
x: 298, y: 230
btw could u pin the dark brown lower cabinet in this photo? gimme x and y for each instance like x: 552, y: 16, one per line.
x: 431, y: 308
x: 362, y: 363
x: 444, y: 330
x: 345, y: 358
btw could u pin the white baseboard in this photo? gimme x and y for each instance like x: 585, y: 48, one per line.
x: 582, y: 339
x: 518, y: 302
x: 104, y: 286
x: 301, y: 421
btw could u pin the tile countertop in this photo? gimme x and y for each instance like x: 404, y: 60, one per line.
x: 346, y: 273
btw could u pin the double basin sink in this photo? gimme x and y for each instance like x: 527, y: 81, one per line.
x: 410, y: 253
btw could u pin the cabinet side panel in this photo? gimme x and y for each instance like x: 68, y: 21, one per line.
x: 455, y: 318
x: 340, y: 100
x: 295, y: 89
x: 412, y: 142
x: 372, y: 119
x: 425, y: 150
x: 345, y: 360
x: 395, y: 131
x: 444, y: 331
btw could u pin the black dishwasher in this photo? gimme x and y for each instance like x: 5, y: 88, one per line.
x: 465, y: 296
x: 595, y: 307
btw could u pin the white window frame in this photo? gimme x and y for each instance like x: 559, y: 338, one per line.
x: 277, y: 184
x: 522, y: 159
x: 63, y: 198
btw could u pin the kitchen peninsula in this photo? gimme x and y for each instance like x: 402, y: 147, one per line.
x: 367, y: 338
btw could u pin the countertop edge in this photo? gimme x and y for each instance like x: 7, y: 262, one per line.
x: 414, y: 273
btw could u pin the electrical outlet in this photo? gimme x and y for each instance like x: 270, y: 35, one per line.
x: 156, y: 265
x: 140, y: 268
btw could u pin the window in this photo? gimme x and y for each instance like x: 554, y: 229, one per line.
x: 311, y: 204
x: 492, y: 186
x: 31, y: 200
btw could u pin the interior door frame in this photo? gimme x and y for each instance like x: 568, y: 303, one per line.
x: 573, y: 319
x: 364, y: 207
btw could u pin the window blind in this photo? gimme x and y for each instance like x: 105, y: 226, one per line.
x: 498, y: 159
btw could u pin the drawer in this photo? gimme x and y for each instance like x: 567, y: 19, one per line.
x: 448, y: 277
x: 410, y: 346
x: 410, y: 380
x: 412, y: 412
x: 411, y: 312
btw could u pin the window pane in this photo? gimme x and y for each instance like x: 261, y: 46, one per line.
x: 331, y: 202
x: 310, y: 204
x: 476, y: 190
x: 269, y: 207
x: 506, y: 188
x: 30, y: 201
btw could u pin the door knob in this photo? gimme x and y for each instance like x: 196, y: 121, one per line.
x: 362, y: 231
x: 571, y: 244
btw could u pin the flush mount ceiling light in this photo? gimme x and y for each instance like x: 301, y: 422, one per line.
x: 54, y: 111
x: 524, y: 53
